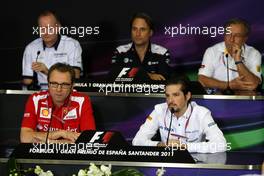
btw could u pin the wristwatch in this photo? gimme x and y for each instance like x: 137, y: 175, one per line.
x: 238, y: 62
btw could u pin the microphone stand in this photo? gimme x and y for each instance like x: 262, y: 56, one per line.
x: 172, y: 111
x: 46, y: 140
x: 34, y: 85
x: 228, y: 90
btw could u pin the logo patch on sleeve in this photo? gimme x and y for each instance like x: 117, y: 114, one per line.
x: 211, y: 124
x: 149, y: 118
x: 258, y: 68
x: 27, y: 114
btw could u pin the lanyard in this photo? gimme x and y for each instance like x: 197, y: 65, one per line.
x: 186, y: 124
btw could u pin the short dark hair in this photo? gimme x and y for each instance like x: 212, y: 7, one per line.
x: 61, y: 67
x: 144, y: 16
x: 239, y: 21
x: 49, y: 12
x: 184, y: 81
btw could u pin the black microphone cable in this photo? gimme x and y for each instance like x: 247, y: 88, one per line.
x: 172, y: 110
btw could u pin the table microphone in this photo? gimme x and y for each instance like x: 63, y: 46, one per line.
x: 228, y: 90
x: 34, y: 85
x: 35, y: 73
x: 172, y: 110
x: 37, y: 56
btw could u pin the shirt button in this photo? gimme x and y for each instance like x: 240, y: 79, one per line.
x: 179, y: 124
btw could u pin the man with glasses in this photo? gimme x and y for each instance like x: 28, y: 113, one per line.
x: 60, y: 110
x: 244, y: 62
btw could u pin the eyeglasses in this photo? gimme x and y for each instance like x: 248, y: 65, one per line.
x: 62, y: 85
x: 238, y: 35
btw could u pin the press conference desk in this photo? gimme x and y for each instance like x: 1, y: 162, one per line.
x: 224, y: 160
x: 227, y: 163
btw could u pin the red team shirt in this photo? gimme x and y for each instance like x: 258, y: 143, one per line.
x: 75, y: 115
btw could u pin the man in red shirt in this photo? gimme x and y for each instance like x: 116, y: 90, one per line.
x: 60, y: 110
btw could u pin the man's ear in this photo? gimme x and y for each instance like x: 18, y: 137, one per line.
x: 188, y: 96
x: 151, y: 33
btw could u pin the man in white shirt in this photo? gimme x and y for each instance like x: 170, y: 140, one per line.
x: 244, y: 62
x: 49, y: 49
x: 189, y: 124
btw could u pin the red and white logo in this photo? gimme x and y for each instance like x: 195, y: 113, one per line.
x: 45, y: 112
x: 123, y: 72
x: 99, y: 136
x: 127, y: 74
x: 72, y: 114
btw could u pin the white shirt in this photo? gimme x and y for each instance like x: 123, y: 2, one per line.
x: 67, y: 51
x: 194, y: 127
x: 214, y: 62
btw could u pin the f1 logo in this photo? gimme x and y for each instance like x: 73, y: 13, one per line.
x: 105, y: 139
x: 96, y: 136
x: 132, y: 73
x: 123, y: 72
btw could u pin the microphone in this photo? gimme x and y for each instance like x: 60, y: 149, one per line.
x: 172, y: 110
x: 34, y: 85
x: 37, y: 56
x: 46, y: 140
x: 56, y: 117
x: 228, y: 90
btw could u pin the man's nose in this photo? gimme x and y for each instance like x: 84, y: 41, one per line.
x: 232, y: 37
x: 170, y: 100
x: 138, y: 33
x: 59, y: 88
